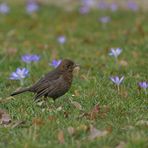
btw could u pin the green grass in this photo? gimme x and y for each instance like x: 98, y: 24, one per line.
x: 87, y: 44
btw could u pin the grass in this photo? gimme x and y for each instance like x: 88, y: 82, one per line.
x: 87, y: 44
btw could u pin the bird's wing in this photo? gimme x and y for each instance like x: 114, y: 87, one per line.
x: 48, y: 87
x: 44, y: 81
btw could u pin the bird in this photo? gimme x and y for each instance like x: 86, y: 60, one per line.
x: 54, y: 84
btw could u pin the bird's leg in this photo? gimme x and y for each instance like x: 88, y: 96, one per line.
x: 46, y: 102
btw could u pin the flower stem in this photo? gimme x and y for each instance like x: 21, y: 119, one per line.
x: 118, y: 88
x: 145, y: 91
x: 29, y: 66
x: 21, y: 82
x: 116, y: 60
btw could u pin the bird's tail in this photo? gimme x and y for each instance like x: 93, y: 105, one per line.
x: 20, y: 91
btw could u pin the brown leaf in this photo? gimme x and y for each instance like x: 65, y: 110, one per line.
x: 4, y: 117
x: 121, y: 145
x: 54, y: 54
x: 71, y: 130
x: 66, y: 114
x: 95, y: 133
x: 123, y: 63
x: 61, y: 137
x: 11, y: 51
x: 38, y: 121
x: 77, y: 105
x: 94, y: 112
x: 51, y: 118
x: 135, y: 54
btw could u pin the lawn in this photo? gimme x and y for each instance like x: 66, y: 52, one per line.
x: 94, y: 113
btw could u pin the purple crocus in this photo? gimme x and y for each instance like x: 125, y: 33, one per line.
x: 19, y: 74
x: 132, y: 6
x: 4, y: 8
x: 116, y: 80
x: 28, y: 58
x: 84, y: 10
x: 115, y: 52
x: 143, y: 85
x: 105, y: 19
x: 32, y: 7
x: 61, y: 39
x: 113, y: 7
x: 88, y: 3
x: 55, y: 63
x: 102, y: 5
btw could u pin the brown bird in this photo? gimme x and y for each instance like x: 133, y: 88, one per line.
x: 54, y: 84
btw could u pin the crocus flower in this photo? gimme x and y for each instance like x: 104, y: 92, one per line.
x: 132, y: 6
x: 61, y: 39
x: 113, y: 7
x: 105, y: 19
x: 28, y: 58
x: 116, y: 80
x: 143, y: 85
x: 4, y: 8
x: 115, y: 52
x: 32, y: 7
x: 55, y: 63
x: 19, y: 74
x: 84, y: 10
x: 88, y: 3
x: 102, y: 5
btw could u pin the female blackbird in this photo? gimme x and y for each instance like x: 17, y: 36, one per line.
x: 55, y: 83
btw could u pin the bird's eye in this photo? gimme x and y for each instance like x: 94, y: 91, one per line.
x: 68, y: 66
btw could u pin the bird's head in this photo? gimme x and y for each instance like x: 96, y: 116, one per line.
x: 67, y: 65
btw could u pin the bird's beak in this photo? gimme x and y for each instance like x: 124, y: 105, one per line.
x: 76, y: 69
x: 76, y: 66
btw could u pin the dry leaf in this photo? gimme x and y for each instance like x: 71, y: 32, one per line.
x: 38, y: 121
x: 142, y: 122
x: 123, y: 63
x: 59, y: 108
x: 71, y: 130
x: 4, y: 117
x: 121, y: 145
x: 51, y: 118
x: 76, y: 93
x: 95, y: 133
x: 5, y: 100
x: 135, y: 54
x: 66, y: 114
x: 11, y: 51
x: 54, y: 54
x: 18, y: 123
x: 94, y: 112
x: 61, y: 137
x: 77, y: 105
x: 76, y: 71
x: 82, y: 127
